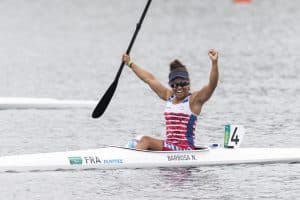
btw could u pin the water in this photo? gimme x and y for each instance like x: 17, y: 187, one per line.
x: 72, y: 49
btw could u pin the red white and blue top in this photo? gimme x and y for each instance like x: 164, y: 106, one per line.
x: 180, y: 125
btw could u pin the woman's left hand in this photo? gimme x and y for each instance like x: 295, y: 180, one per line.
x: 213, y: 55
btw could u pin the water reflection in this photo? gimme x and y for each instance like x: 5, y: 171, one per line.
x: 199, y: 178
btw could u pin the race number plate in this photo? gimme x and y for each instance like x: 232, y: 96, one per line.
x: 233, y: 135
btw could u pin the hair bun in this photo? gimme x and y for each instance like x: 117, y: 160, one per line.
x: 177, y: 65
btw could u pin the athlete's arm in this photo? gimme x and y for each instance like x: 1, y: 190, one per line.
x: 200, y: 97
x: 162, y: 91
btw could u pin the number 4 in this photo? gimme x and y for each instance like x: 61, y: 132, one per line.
x: 235, y: 137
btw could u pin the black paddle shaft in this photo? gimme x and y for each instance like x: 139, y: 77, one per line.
x: 106, y: 98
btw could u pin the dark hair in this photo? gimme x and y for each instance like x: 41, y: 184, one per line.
x: 178, y: 70
x: 177, y: 65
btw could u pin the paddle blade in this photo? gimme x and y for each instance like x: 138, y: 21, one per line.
x: 103, y: 103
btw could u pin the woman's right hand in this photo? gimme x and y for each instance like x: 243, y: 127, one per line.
x: 126, y: 59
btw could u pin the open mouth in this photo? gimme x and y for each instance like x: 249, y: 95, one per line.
x: 179, y: 91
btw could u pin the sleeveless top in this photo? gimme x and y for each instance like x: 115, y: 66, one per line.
x: 180, y: 123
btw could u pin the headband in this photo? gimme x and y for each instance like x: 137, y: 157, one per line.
x: 178, y: 74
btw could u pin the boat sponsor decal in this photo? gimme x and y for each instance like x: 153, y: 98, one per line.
x: 181, y: 157
x: 93, y: 160
x: 113, y: 161
x: 75, y: 160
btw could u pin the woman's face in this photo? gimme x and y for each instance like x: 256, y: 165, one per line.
x: 180, y: 87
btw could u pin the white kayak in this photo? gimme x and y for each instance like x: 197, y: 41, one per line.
x: 113, y: 157
x: 43, y: 103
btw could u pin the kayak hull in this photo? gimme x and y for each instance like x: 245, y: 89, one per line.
x: 118, y: 157
x: 43, y: 103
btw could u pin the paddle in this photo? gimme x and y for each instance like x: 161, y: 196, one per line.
x: 106, y: 98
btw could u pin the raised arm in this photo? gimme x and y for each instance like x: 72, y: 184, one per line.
x: 200, y: 97
x: 162, y: 91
